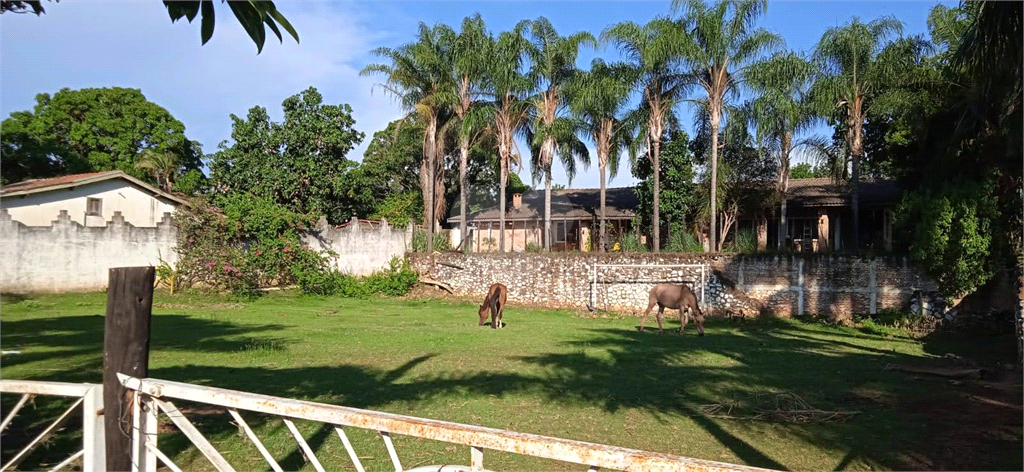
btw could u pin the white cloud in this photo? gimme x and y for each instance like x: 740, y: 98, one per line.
x: 77, y: 44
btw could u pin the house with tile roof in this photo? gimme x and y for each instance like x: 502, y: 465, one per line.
x: 88, y: 199
x: 574, y: 217
x: 818, y: 218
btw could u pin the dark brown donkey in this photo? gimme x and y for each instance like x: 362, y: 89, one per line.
x: 495, y: 302
x: 674, y: 297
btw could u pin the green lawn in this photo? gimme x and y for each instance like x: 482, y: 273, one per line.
x: 555, y: 373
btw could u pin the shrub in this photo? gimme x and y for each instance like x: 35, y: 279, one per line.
x: 396, y: 280
x: 744, y: 242
x: 419, y: 241
x: 682, y: 240
x: 631, y: 243
x: 254, y: 242
x: 534, y: 247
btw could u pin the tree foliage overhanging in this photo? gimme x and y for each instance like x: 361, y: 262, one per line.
x: 90, y: 130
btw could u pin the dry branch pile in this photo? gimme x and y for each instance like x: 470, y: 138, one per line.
x: 782, y: 407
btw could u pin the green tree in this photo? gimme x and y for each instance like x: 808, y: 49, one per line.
x: 597, y: 98
x: 860, y: 74
x: 781, y: 110
x: 470, y: 51
x: 420, y: 77
x: 506, y: 106
x: 722, y: 43
x: 254, y: 15
x: 677, y: 177
x: 745, y: 179
x: 805, y: 170
x: 90, y: 130
x: 552, y: 67
x: 389, y: 170
x: 299, y: 163
x: 162, y: 165
x: 654, y: 51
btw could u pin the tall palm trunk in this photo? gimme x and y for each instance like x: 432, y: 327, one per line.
x: 546, y: 158
x: 463, y: 197
x: 501, y: 200
x: 787, y: 140
x: 427, y: 169
x: 856, y: 132
x: 547, y: 210
x: 657, y: 194
x: 714, y: 182
x: 603, y: 141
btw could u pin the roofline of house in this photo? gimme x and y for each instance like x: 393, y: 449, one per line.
x: 94, y: 179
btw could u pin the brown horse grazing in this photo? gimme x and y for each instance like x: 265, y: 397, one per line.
x: 674, y: 297
x: 495, y: 302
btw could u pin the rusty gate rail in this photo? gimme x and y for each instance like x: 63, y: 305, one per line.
x: 90, y: 399
x: 476, y: 437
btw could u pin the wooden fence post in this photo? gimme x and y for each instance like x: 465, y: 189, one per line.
x: 125, y: 350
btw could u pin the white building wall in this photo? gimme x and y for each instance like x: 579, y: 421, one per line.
x: 137, y: 206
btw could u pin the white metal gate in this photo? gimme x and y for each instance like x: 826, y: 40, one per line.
x: 153, y: 396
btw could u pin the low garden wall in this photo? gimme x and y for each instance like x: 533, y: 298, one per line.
x: 782, y: 285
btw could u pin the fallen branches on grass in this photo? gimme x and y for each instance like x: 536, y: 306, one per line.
x: 424, y: 280
x: 938, y: 371
x: 781, y: 407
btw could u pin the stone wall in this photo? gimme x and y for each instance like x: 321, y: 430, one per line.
x: 783, y: 285
x: 360, y: 248
x: 67, y: 257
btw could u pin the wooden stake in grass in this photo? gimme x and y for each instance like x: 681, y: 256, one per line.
x: 126, y: 351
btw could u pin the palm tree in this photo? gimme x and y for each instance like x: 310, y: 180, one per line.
x: 721, y: 44
x: 552, y: 66
x: 162, y: 165
x: 470, y: 51
x: 781, y: 110
x: 859, y: 68
x: 420, y: 78
x: 597, y: 97
x: 508, y: 112
x: 653, y: 51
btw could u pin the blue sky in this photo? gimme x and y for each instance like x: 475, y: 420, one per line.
x: 87, y: 43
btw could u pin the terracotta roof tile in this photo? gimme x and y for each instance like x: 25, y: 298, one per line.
x: 36, y: 184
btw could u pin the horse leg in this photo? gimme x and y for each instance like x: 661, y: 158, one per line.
x: 648, y: 312
x: 494, y: 316
x: 683, y: 319
x: 661, y: 311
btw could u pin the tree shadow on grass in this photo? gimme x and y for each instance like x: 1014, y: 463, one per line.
x: 668, y: 376
x: 77, y: 358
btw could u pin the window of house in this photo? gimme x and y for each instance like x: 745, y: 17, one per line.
x: 559, y: 231
x: 94, y: 207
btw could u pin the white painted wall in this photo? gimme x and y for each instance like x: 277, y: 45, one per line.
x: 138, y: 206
x: 359, y: 251
x: 70, y: 257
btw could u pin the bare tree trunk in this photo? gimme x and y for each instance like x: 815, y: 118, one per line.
x: 603, y: 233
x: 714, y: 181
x: 463, y: 194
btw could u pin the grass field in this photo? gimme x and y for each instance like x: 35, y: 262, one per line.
x: 556, y: 373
